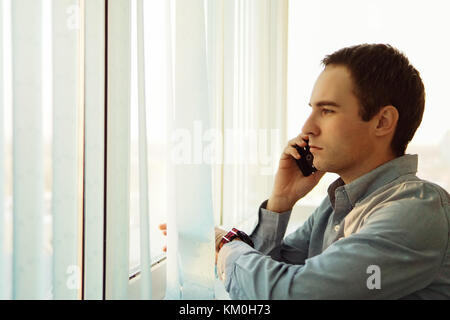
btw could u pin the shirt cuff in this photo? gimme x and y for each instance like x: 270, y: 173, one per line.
x: 271, y: 227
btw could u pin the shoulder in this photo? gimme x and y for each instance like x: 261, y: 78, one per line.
x: 411, y: 210
x: 410, y: 190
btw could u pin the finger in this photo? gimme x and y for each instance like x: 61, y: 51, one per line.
x: 165, y: 233
x: 162, y: 226
x: 303, y: 136
x: 297, y: 141
x: 292, y: 151
x: 165, y: 249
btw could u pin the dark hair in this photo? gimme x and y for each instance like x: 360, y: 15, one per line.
x: 383, y: 76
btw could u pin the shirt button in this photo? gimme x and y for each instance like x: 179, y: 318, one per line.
x: 336, y: 228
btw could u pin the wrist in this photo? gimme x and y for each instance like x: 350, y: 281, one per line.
x: 280, y: 204
x: 222, y: 243
x: 219, y: 235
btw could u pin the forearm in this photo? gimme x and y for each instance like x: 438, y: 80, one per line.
x: 280, y: 204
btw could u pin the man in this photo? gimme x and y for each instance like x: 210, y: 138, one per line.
x: 381, y: 232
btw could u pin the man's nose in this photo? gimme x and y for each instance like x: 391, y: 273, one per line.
x: 310, y: 126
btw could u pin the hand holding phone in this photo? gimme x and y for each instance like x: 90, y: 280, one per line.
x: 296, y: 175
x: 305, y: 163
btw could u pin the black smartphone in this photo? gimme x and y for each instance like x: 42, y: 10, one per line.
x: 305, y: 163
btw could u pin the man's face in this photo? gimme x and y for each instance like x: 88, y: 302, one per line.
x: 335, y: 125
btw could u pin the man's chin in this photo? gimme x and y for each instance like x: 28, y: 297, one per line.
x: 320, y: 166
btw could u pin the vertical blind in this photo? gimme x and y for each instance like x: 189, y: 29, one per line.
x: 47, y: 56
x: 28, y: 177
x: 225, y: 81
x: 143, y: 160
x: 31, y: 261
x: 118, y: 148
x: 94, y: 154
x: 68, y: 115
x: 3, y: 259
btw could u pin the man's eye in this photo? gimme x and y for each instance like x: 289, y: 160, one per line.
x: 327, y: 111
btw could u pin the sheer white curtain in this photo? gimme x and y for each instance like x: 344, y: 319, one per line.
x: 228, y: 126
x: 190, y: 214
x: 249, y: 68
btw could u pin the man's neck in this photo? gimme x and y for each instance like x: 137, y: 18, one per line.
x: 365, y: 167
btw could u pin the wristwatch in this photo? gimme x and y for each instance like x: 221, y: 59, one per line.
x: 233, y: 234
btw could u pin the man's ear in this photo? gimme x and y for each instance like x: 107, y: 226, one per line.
x: 386, y: 120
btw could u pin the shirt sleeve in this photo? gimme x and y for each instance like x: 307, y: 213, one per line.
x: 269, y: 233
x: 398, y: 251
x: 270, y: 229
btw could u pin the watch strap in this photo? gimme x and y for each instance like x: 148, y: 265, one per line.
x: 233, y: 234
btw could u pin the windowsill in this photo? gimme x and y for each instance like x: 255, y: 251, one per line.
x: 158, y: 272
x: 158, y: 276
x: 134, y: 272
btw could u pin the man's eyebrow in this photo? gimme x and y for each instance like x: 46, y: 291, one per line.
x: 325, y: 103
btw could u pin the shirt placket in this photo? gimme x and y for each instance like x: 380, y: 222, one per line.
x: 335, y: 228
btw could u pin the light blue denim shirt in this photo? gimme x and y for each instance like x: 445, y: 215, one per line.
x: 383, y: 236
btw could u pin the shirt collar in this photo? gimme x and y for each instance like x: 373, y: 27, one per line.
x: 369, y: 182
